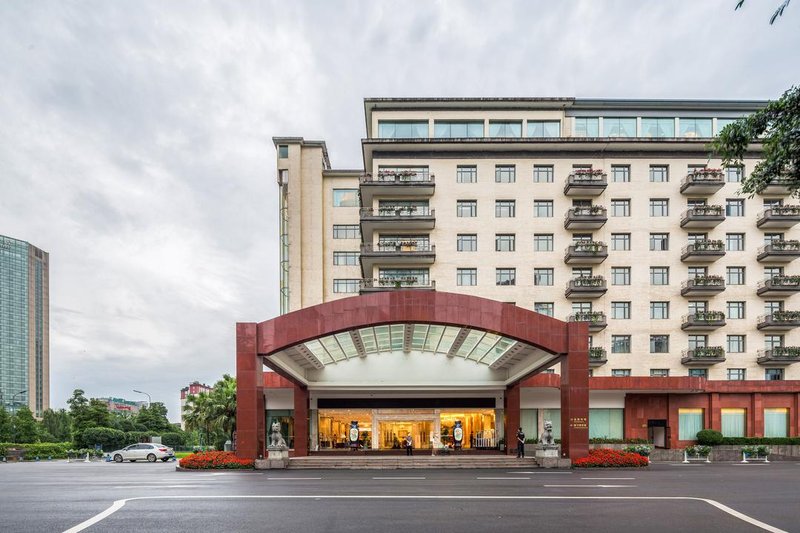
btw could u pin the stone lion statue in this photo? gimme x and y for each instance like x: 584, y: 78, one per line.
x: 275, y: 437
x: 547, y: 435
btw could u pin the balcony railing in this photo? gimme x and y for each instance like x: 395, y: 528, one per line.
x: 704, y: 250
x: 397, y: 283
x: 586, y: 252
x: 397, y: 211
x: 703, y: 181
x: 597, y: 356
x: 588, y: 217
x: 596, y: 319
x: 703, y: 320
x: 704, y: 355
x: 586, y: 286
x: 779, y: 355
x: 781, y: 216
x: 779, y: 286
x: 703, y: 285
x: 402, y: 176
x: 777, y: 185
x: 398, y: 247
x: 780, y: 251
x: 703, y: 216
x: 779, y: 321
x: 586, y: 182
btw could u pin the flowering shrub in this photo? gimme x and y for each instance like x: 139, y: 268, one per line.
x: 756, y: 451
x: 603, y: 457
x: 215, y: 460
x: 698, y: 450
x: 642, y: 449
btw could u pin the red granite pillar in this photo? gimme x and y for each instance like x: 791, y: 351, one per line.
x: 512, y: 412
x: 300, y: 421
x: 250, y: 423
x: 714, y: 412
x: 757, y: 414
x: 794, y: 417
x: 575, y: 393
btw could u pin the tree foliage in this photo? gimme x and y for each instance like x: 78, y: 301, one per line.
x: 5, y: 425
x: 778, y: 12
x: 213, y: 413
x: 24, y: 426
x: 154, y: 418
x: 58, y: 424
x: 777, y: 126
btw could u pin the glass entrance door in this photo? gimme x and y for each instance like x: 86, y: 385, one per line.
x: 393, y: 433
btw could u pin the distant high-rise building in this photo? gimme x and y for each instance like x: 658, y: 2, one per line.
x: 24, y: 326
x: 121, y: 405
x: 194, y: 387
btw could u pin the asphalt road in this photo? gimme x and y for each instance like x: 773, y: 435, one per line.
x: 58, y: 496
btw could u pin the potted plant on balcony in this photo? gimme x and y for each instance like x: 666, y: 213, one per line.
x: 786, y: 316
x: 709, y: 352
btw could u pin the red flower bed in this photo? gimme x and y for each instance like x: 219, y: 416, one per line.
x: 605, y: 458
x: 215, y: 460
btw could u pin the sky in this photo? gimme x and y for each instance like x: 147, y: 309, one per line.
x: 135, y: 137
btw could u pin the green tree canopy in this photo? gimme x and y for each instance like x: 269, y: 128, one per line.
x: 5, y: 425
x: 24, y: 426
x: 154, y: 418
x: 58, y: 424
x: 213, y: 413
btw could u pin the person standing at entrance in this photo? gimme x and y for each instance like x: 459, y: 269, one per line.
x: 409, y: 444
x: 520, y: 444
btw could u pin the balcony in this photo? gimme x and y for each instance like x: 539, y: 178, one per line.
x: 777, y: 186
x: 586, y: 183
x: 406, y: 183
x: 586, y: 287
x: 779, y: 321
x: 703, y: 181
x: 597, y: 357
x: 586, y: 252
x: 703, y: 321
x: 596, y: 319
x: 779, y: 356
x: 781, y: 217
x: 703, y: 286
x: 703, y: 356
x: 397, y: 218
x: 705, y: 251
x: 703, y: 216
x: 592, y: 217
x: 369, y: 285
x: 779, y: 286
x: 397, y: 253
x: 779, y: 252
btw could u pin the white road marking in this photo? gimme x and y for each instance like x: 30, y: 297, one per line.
x: 540, y: 473
x: 294, y: 478
x: 513, y: 478
x: 397, y: 477
x: 751, y: 464
x: 608, y: 478
x: 145, y: 486
x: 119, y: 504
x: 593, y: 486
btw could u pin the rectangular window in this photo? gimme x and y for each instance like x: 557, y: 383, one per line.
x: 620, y: 275
x: 659, y: 372
x: 543, y: 242
x: 403, y: 129
x: 505, y: 173
x: 695, y: 127
x: 722, y: 122
x: 505, y: 208
x: 734, y: 276
x: 735, y: 310
x: 773, y: 374
x: 283, y: 151
x: 543, y: 276
x: 466, y: 174
x: 698, y: 373
x: 697, y: 341
x: 735, y: 344
x: 505, y: 276
x: 659, y: 275
x: 734, y: 242
x: 349, y: 286
x: 543, y: 173
x: 658, y: 127
x: 619, y: 127
x: 620, y: 173
x: 620, y: 344
x: 733, y: 422
x: 621, y: 208
x: 345, y: 198
x: 621, y: 310
x: 504, y: 242
x: 770, y: 238
x: 505, y: 128
x: 467, y: 242
x: 773, y: 341
x: 466, y: 277
x: 345, y: 258
x: 620, y: 372
x: 776, y: 422
x: 772, y: 306
x: 545, y: 308
x: 606, y: 423
x: 621, y: 241
x: 734, y: 207
x: 733, y: 174
x: 659, y: 310
x: 455, y: 129
x: 659, y: 207
x: 466, y: 208
x: 690, y: 421
x: 543, y: 208
x: 736, y: 374
x: 697, y: 306
x: 544, y: 128
x: 659, y: 173
x: 586, y: 127
x: 659, y: 241
x: 659, y: 343
x: 346, y: 231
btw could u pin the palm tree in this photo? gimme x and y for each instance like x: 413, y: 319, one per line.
x: 196, y: 414
x: 213, y: 411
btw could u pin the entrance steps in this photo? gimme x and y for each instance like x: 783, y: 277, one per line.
x: 394, y: 462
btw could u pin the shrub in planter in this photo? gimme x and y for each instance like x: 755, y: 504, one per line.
x: 215, y: 460
x: 698, y: 450
x: 642, y: 449
x: 605, y: 458
x: 756, y: 451
x: 709, y: 437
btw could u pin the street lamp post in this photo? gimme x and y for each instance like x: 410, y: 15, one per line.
x: 149, y: 401
x: 13, y: 419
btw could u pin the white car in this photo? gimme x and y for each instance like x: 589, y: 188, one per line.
x: 143, y: 452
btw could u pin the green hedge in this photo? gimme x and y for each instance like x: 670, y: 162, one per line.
x: 709, y: 437
x: 602, y: 440
x: 743, y: 441
x: 43, y: 450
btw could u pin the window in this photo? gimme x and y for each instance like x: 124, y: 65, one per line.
x: 735, y: 344
x: 500, y: 128
x: 659, y: 372
x: 581, y: 272
x: 659, y: 310
x: 466, y: 174
x: 620, y: 208
x: 659, y: 275
x: 736, y: 374
x: 659, y: 241
x: 695, y: 127
x: 504, y: 242
x: 620, y: 241
x: 697, y: 306
x: 606, y: 423
x: 697, y: 341
x: 543, y: 173
x: 543, y: 242
x: 773, y: 374
x: 345, y: 258
x: 722, y: 122
x: 505, y: 208
x: 776, y: 422
x: 345, y: 198
x: 733, y: 174
x: 457, y: 129
x: 586, y: 127
x: 620, y: 173
x: 771, y: 272
x: 734, y: 242
x: 659, y: 343
x: 620, y: 275
x: 466, y: 208
x: 467, y: 242
x: 659, y: 173
x: 544, y: 128
x: 620, y: 372
x: 345, y: 286
x: 694, y: 238
x: 658, y: 127
x: 770, y: 238
x: 466, y: 277
x: 621, y: 310
x: 406, y: 129
x: 733, y: 422
x: 505, y: 173
x: 283, y: 151
x: 734, y: 207
x: 735, y: 310
x: 620, y: 344
x: 619, y: 127
x: 770, y: 203
x: 773, y: 341
x: 698, y: 373
x: 505, y: 276
x: 542, y: 276
x: 543, y: 208
x: 690, y: 421
x: 734, y: 276
x: 694, y: 272
x: 659, y: 207
x: 346, y: 231
x: 773, y: 306
x: 545, y: 308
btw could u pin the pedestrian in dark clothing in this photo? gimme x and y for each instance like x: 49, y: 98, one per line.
x: 409, y: 444
x: 520, y: 444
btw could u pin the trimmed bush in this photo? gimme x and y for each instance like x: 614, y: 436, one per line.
x: 642, y: 449
x: 215, y: 460
x: 756, y: 451
x: 775, y: 441
x: 43, y: 450
x: 709, y: 437
x: 108, y: 438
x: 173, y: 439
x: 605, y: 458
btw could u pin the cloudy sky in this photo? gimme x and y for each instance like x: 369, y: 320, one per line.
x: 135, y: 137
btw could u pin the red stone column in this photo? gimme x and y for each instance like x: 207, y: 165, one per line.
x: 794, y: 417
x: 250, y: 423
x: 512, y: 412
x: 757, y: 414
x: 714, y: 412
x: 575, y: 393
x: 300, y: 421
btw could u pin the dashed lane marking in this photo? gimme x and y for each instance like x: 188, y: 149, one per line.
x: 397, y: 477
x: 541, y: 473
x: 593, y: 486
x: 609, y: 478
x: 294, y: 478
x: 511, y: 478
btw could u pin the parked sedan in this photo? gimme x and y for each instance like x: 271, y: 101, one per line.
x: 143, y: 452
